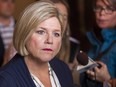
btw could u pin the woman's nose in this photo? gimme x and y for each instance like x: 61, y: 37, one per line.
x: 49, y: 39
x: 103, y: 12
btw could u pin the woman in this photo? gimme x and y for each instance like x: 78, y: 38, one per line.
x: 105, y: 51
x: 64, y: 54
x: 37, y: 39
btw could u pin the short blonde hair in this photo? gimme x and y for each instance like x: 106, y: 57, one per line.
x: 31, y: 17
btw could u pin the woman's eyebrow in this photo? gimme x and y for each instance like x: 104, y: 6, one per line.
x: 42, y: 28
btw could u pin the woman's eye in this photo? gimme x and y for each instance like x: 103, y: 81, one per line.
x: 41, y: 32
x: 110, y: 8
x: 56, y: 34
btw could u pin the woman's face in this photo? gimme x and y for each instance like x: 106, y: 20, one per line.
x: 45, y: 42
x: 103, y: 19
x: 63, y: 10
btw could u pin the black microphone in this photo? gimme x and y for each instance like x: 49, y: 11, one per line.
x: 82, y: 58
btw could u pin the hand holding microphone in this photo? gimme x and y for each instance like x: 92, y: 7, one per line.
x: 100, y: 74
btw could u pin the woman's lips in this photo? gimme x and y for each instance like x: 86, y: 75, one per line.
x: 47, y: 49
x: 102, y: 21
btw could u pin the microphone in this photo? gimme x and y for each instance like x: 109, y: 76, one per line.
x: 82, y: 58
x: 85, y: 62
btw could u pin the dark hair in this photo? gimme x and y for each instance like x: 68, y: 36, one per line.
x: 111, y: 2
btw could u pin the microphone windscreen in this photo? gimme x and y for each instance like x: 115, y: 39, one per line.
x: 82, y: 58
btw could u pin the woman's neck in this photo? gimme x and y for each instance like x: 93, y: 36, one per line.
x: 35, y: 66
x: 39, y: 69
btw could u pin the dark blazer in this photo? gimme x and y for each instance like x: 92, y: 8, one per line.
x: 16, y: 73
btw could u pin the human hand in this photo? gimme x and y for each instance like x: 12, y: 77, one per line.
x: 100, y: 74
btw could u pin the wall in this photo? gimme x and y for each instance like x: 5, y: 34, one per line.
x: 20, y: 5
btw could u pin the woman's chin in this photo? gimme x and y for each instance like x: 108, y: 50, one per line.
x: 103, y: 26
x: 46, y: 59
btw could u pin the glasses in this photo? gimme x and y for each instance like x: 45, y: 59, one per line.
x: 107, y: 10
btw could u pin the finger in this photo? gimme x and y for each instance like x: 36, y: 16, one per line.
x: 88, y: 72
x: 92, y: 76
x: 91, y: 73
x: 102, y: 64
x: 96, y: 69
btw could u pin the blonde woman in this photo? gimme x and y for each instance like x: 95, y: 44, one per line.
x: 37, y: 39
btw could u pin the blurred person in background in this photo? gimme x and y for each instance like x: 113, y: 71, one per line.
x: 105, y: 49
x: 7, y: 24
